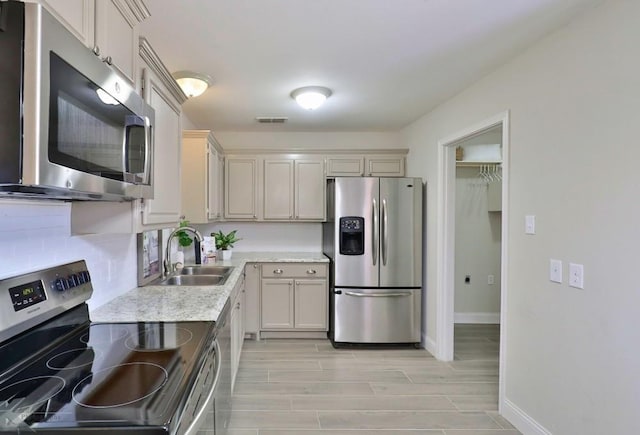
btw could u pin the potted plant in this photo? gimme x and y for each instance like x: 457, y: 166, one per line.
x: 224, y: 243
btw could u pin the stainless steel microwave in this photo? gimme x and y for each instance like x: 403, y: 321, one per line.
x: 70, y: 127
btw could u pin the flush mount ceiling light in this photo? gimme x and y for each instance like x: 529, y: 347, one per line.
x: 311, y: 97
x: 192, y: 84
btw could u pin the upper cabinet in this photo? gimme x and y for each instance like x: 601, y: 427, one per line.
x: 294, y: 189
x: 202, y: 168
x: 162, y: 93
x: 390, y: 164
x: 108, y: 27
x: 241, y: 188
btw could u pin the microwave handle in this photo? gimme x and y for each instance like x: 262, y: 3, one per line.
x: 147, y: 149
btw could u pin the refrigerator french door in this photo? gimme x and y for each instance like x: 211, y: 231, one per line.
x: 374, y: 239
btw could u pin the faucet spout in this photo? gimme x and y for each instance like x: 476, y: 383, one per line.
x: 167, y: 256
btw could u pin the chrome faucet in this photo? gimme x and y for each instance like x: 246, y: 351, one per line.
x: 167, y: 255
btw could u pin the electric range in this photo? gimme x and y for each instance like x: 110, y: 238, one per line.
x: 60, y: 373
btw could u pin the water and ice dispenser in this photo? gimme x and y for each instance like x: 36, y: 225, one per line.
x: 352, y: 235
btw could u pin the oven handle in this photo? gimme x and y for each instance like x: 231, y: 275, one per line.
x: 195, y: 424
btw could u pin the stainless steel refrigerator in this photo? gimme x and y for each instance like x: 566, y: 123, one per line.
x: 373, y: 237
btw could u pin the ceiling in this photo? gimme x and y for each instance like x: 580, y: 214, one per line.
x: 388, y: 62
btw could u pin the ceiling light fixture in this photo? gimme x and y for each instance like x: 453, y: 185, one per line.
x: 311, y: 97
x: 192, y: 84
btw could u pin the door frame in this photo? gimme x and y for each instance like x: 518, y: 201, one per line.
x: 445, y: 279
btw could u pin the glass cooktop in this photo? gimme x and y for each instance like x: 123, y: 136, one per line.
x: 97, y: 376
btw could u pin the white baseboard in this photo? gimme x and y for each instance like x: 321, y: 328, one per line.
x: 477, y: 318
x: 429, y: 345
x: 521, y: 420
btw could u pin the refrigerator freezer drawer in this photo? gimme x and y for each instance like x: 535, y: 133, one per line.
x: 377, y: 315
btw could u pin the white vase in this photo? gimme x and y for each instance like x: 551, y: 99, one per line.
x: 225, y: 254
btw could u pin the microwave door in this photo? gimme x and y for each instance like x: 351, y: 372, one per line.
x: 134, y: 149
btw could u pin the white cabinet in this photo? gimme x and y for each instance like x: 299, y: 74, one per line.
x: 294, y: 189
x: 368, y: 165
x: 201, y: 166
x: 78, y: 16
x: 294, y: 297
x: 241, y: 188
x: 278, y: 189
x: 163, y: 94
x: 236, y: 318
x: 310, y: 190
x: 252, y: 298
x: 108, y: 27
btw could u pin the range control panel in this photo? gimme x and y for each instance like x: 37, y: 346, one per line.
x: 31, y: 298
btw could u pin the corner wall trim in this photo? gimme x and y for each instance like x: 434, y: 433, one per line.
x: 493, y: 318
x: 521, y: 420
x: 429, y: 345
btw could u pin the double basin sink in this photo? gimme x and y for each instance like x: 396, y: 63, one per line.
x: 199, y: 275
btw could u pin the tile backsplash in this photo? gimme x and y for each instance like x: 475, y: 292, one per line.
x: 36, y: 234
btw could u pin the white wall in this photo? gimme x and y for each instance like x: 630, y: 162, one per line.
x: 308, y: 140
x: 35, y: 235
x: 574, y: 98
x: 477, y: 251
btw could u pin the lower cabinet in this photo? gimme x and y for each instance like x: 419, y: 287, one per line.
x: 236, y: 318
x: 294, y: 297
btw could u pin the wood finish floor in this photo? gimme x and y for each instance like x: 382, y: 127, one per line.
x: 307, y: 387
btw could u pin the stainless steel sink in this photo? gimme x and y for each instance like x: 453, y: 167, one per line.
x: 206, y: 270
x: 194, y: 280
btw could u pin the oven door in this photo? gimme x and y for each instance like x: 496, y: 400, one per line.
x: 200, y: 410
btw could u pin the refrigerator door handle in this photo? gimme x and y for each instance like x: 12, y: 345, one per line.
x: 385, y: 233
x: 378, y: 295
x: 375, y: 232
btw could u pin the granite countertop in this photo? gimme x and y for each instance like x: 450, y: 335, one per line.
x: 189, y: 303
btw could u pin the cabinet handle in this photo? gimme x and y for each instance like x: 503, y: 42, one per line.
x: 278, y: 271
x: 238, y: 305
x: 255, y: 266
x: 297, y: 282
x: 96, y: 50
x: 108, y: 60
x: 311, y: 272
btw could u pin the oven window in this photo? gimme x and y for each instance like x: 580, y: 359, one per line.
x: 91, y: 131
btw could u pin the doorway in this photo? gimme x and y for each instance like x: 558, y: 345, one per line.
x: 446, y: 270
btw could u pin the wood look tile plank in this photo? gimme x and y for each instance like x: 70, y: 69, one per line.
x: 448, y: 388
x: 351, y: 432
x: 377, y: 403
x: 341, y: 375
x: 274, y: 419
x: 475, y: 403
x: 312, y: 388
x: 405, y: 420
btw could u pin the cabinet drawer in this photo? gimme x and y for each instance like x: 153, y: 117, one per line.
x: 294, y: 270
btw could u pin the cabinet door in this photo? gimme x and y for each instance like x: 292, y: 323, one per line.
x: 165, y: 207
x: 310, y: 190
x: 345, y: 166
x: 276, y: 304
x: 235, y: 351
x: 278, y: 189
x: 241, y: 180
x: 311, y: 301
x: 211, y: 183
x: 388, y: 166
x: 220, y: 185
x: 117, y: 36
x: 77, y: 16
x: 251, y: 307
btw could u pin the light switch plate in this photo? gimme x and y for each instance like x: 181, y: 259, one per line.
x: 555, y: 271
x: 529, y: 224
x: 576, y: 275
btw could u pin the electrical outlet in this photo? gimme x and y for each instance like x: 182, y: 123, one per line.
x: 576, y: 275
x: 491, y: 280
x: 555, y: 271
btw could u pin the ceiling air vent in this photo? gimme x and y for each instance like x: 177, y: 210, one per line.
x: 271, y: 119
